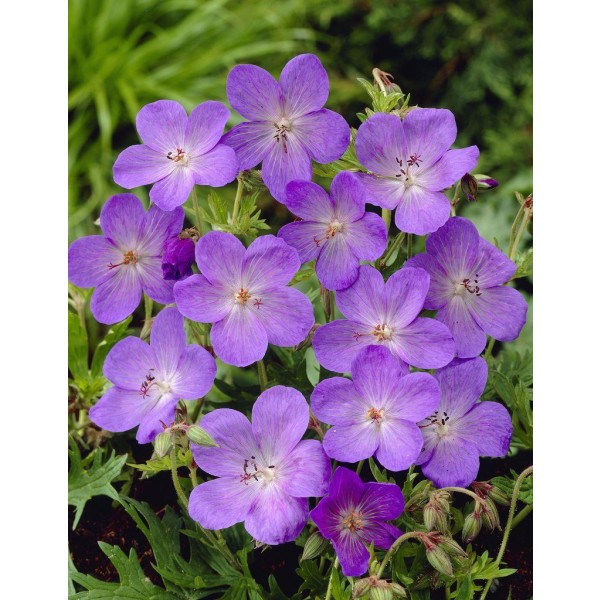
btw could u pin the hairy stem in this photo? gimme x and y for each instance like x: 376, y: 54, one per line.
x: 513, y: 229
x: 180, y: 493
x: 521, y: 515
x: 461, y: 491
x: 262, y: 375
x: 237, y: 201
x: 330, y: 584
x: 393, y: 247
x: 399, y: 541
x: 148, y: 304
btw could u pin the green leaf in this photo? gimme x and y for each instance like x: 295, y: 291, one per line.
x: 156, y: 465
x: 380, y: 475
x: 78, y: 348
x: 313, y: 580
x: 524, y: 261
x: 115, y: 333
x: 91, y: 476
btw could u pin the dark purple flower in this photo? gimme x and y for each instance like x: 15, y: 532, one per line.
x: 386, y: 314
x: 411, y: 165
x: 149, y: 379
x: 335, y: 228
x: 126, y: 260
x: 467, y: 273
x: 178, y: 258
x: 177, y: 152
x: 462, y: 429
x: 245, y: 294
x: 376, y: 413
x: 265, y: 470
x: 288, y: 125
x: 353, y: 516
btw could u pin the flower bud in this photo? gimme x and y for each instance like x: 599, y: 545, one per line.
x: 398, y: 590
x: 314, y: 546
x: 499, y: 496
x: 381, y: 593
x: 489, y: 515
x: 452, y: 549
x: 177, y: 259
x: 361, y: 587
x: 435, y: 512
x: 485, y: 183
x: 471, y: 526
x: 162, y: 444
x: 468, y: 186
x: 199, y: 436
x: 439, y: 560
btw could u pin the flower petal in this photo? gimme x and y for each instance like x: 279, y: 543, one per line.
x: 405, y: 293
x: 449, y: 169
x: 219, y: 256
x: 89, y: 260
x: 275, y: 517
x: 352, y: 554
x: 205, y: 126
x: 117, y: 297
x: 346, y: 487
x: 268, y: 263
x: 367, y: 237
x: 488, y: 425
x: 400, y: 443
x: 158, y: 226
x: 233, y: 432
x: 421, y: 211
x: 429, y: 132
x: 337, y: 266
x: 152, y: 423
x: 120, y: 409
x: 348, y: 197
x: 279, y: 420
x: 425, y: 344
x: 325, y: 517
x: 441, y: 287
x: 309, y: 201
x: 469, y: 338
x: 382, y: 191
x: 140, y: 165
x: 128, y: 362
x: 161, y: 125
x: 222, y: 502
x: 196, y: 373
x: 239, y: 339
x: 201, y: 301
x: 121, y: 219
x: 167, y: 340
x: 336, y: 400
x: 382, y: 501
x: 493, y: 266
x: 375, y: 373
x: 173, y: 190
x: 151, y: 277
x: 301, y: 235
x: 306, y: 470
x: 324, y: 133
x: 305, y: 85
x: 251, y: 142
x: 462, y: 382
x: 454, y: 462
x: 380, y: 143
x: 216, y: 168
x: 254, y: 93
x: 352, y: 443
x: 364, y: 301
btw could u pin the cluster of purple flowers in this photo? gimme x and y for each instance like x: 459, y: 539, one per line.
x: 265, y: 472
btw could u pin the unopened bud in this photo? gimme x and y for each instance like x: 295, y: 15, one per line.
x: 398, y: 590
x: 381, y: 593
x: 314, y: 546
x: 468, y: 186
x: 499, y: 496
x: 471, y: 526
x: 199, y: 436
x: 452, y: 548
x: 489, y: 515
x: 361, y: 587
x: 435, y: 512
x: 484, y: 182
x: 439, y: 560
x: 373, y: 566
x: 162, y: 444
x: 419, y: 496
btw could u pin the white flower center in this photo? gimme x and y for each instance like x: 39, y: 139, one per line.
x: 180, y: 157
x: 439, y: 421
x: 375, y: 415
x: 253, y: 471
x: 467, y: 284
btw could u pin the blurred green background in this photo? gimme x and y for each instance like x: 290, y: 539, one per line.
x: 471, y: 56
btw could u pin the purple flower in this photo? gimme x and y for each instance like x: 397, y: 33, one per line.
x: 265, y: 470
x: 288, y: 125
x: 243, y: 292
x: 376, y: 413
x: 335, y: 229
x: 126, y: 260
x: 467, y: 273
x: 384, y: 313
x: 149, y: 379
x: 462, y: 429
x: 178, y: 152
x: 178, y: 258
x: 411, y: 164
x: 353, y: 515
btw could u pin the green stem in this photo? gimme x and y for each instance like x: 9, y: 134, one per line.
x: 461, y: 491
x: 386, y: 215
x: 521, y: 515
x: 148, y: 304
x: 509, y: 525
x: 175, y: 477
x: 197, y: 211
x: 359, y: 467
x: 237, y: 201
x: 454, y: 201
x: 513, y: 229
x: 409, y: 245
x: 330, y: 584
x: 394, y: 547
x: 393, y: 247
x: 515, y: 247
x: 197, y: 409
x: 490, y: 347
x: 262, y: 375
x: 193, y: 476
x: 448, y: 591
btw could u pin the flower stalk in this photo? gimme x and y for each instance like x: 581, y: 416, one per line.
x: 330, y: 584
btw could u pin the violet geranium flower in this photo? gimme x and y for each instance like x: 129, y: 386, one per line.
x: 177, y: 152
x: 126, y: 260
x: 379, y: 313
x: 265, y: 471
x: 245, y: 294
x: 149, y: 379
x: 288, y: 125
x: 353, y: 516
x: 467, y: 273
x: 462, y: 429
x: 377, y: 412
x: 411, y: 165
x: 178, y: 258
x: 335, y: 228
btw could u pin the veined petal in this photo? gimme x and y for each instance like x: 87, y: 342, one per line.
x: 441, y: 287
x: 493, y: 266
x: 382, y: 191
x: 205, y: 126
x: 158, y: 226
x: 346, y: 488
x: 405, y: 293
x: 254, y: 93
x: 449, y: 169
x: 89, y: 260
x: 219, y: 256
x: 324, y: 133
x: 421, y: 211
x: 309, y: 201
x: 306, y: 470
x: 352, y: 554
x: 382, y: 501
x: 167, y: 340
x: 305, y: 85
x: 117, y: 297
x: 325, y: 517
x: 400, y: 443
x: 218, y: 167
x: 367, y: 237
x: 380, y: 144
x: 196, y: 373
x: 279, y: 420
x: 128, y: 362
x: 462, y: 382
x: 120, y: 409
x: 201, y: 301
x: 140, y: 165
x: 425, y: 344
x: 251, y: 142
x: 268, y: 263
x: 337, y: 266
x: 336, y: 400
x: 454, y: 462
x: 348, y: 197
x: 469, y: 338
x: 239, y: 339
x: 429, y: 133
x: 352, y: 443
x: 301, y: 235
x: 375, y: 373
x: 150, y: 275
x: 161, y: 125
x: 487, y: 425
x: 121, y: 219
x: 173, y: 190
x: 152, y: 423
x: 364, y: 301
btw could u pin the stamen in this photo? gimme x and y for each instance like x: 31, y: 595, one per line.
x: 333, y: 228
x: 176, y: 157
x: 128, y: 257
x: 258, y: 303
x: 242, y: 296
x: 353, y: 521
x: 282, y: 129
x: 375, y: 414
x: 382, y: 332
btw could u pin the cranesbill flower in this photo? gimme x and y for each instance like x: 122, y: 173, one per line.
x: 376, y: 413
x: 379, y: 313
x: 462, y: 429
x: 353, y: 516
x: 265, y: 471
x: 177, y: 152
x: 243, y: 292
x: 467, y: 273
x: 178, y: 258
x: 288, y: 125
x: 411, y: 164
x: 149, y: 379
x: 335, y: 228
x: 126, y: 260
